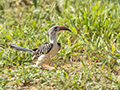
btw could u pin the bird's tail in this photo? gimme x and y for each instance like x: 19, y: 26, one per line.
x: 21, y: 48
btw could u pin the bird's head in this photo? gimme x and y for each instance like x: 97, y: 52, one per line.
x: 56, y: 28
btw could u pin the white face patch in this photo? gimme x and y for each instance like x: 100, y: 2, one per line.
x: 53, y: 30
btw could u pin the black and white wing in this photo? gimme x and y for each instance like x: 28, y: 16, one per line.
x: 44, y: 49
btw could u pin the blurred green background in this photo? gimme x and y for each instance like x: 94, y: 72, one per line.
x: 89, y: 58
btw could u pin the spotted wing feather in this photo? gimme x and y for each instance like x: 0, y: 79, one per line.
x: 44, y: 49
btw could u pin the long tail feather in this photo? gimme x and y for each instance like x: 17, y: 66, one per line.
x: 21, y: 48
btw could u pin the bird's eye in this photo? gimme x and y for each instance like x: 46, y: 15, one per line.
x: 55, y: 28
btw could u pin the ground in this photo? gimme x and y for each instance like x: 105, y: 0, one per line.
x: 89, y: 58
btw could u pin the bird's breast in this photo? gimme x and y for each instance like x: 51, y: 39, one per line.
x: 54, y: 50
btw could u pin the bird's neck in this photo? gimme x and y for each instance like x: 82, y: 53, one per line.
x: 53, y: 39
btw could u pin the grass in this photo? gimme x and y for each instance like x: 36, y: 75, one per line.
x: 96, y: 30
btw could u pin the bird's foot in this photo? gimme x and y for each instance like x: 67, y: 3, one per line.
x: 34, y: 66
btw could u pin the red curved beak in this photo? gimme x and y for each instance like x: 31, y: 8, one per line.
x: 64, y: 28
